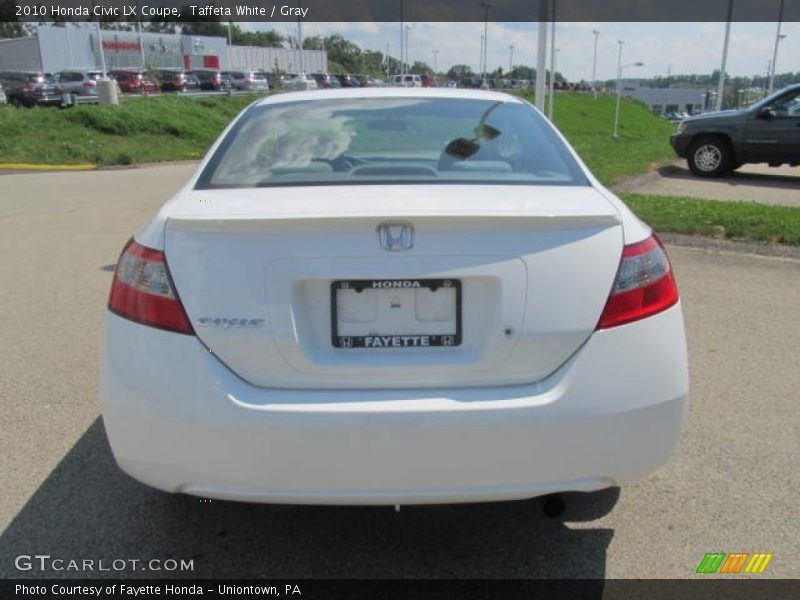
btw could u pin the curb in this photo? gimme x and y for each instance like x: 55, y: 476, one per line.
x: 699, y: 242
x: 634, y: 183
x: 36, y: 167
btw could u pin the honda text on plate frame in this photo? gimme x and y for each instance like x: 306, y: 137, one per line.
x: 392, y: 296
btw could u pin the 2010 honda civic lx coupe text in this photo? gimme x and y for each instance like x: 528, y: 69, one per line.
x: 385, y: 296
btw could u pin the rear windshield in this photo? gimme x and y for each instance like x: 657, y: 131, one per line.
x: 390, y: 140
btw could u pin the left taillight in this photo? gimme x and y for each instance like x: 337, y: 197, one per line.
x: 143, y: 291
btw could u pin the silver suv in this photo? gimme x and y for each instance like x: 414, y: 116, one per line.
x: 79, y: 83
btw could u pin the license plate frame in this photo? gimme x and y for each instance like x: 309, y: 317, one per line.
x: 403, y: 341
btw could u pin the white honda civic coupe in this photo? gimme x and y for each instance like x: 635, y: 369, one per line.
x: 388, y: 296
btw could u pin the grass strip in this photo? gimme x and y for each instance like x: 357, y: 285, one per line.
x: 742, y: 221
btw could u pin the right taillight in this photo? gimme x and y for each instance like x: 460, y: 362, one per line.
x: 143, y: 291
x: 644, y: 285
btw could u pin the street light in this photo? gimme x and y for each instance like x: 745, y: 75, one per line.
x: 774, y: 60
x: 230, y: 64
x: 402, y: 68
x: 778, y: 37
x: 486, y: 6
x: 721, y: 83
x: 435, y: 59
x: 594, y: 63
x: 511, y: 58
x: 620, y: 67
x: 480, y: 60
x: 408, y: 60
x: 552, y: 66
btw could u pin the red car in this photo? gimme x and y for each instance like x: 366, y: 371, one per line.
x: 135, y: 82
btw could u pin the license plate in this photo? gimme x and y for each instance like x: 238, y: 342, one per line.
x: 395, y: 313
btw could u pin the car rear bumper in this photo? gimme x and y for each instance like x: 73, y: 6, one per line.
x: 179, y: 420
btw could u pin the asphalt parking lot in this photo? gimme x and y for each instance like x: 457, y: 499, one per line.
x: 732, y: 486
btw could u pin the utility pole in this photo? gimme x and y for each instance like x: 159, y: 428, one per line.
x: 511, y: 58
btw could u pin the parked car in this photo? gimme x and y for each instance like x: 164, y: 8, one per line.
x: 176, y: 80
x: 79, y: 83
x: 766, y: 132
x: 299, y: 81
x: 428, y: 80
x: 211, y: 80
x: 135, y: 82
x: 325, y: 80
x: 246, y: 80
x: 30, y: 88
x: 407, y: 80
x: 348, y: 81
x: 3, y: 98
x: 443, y: 319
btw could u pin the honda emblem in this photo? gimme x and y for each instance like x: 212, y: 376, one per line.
x: 394, y: 237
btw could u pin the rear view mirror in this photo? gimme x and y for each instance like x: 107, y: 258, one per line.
x: 462, y: 148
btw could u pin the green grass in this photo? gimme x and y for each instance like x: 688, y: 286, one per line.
x: 642, y: 143
x: 138, y: 130
x: 169, y: 128
x: 746, y: 221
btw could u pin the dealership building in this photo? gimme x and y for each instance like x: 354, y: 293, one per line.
x: 78, y: 46
x: 665, y: 100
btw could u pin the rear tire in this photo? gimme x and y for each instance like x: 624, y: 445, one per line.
x: 710, y: 157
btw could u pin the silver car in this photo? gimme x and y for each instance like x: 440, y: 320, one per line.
x: 79, y: 83
x: 251, y: 81
x: 299, y: 81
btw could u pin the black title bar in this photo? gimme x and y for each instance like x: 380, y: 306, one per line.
x: 400, y: 10
x: 388, y: 589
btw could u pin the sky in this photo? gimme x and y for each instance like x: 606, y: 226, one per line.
x: 683, y: 48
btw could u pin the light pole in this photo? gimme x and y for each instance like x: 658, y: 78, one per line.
x: 774, y: 60
x: 596, y: 34
x: 620, y: 67
x: 408, y: 60
x: 486, y: 6
x: 102, y: 50
x: 721, y: 86
x: 139, y: 31
x: 402, y: 50
x: 778, y: 37
x: 480, y: 60
x: 552, y: 65
x: 230, y: 63
x: 511, y: 58
x: 435, y: 61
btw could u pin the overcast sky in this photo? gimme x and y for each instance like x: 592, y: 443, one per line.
x: 685, y: 47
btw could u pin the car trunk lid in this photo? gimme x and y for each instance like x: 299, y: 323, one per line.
x: 261, y: 271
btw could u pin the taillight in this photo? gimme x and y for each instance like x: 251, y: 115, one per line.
x: 88, y: 85
x: 143, y: 291
x: 644, y: 285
